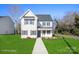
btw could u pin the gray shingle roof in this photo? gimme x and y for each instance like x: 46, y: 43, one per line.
x: 6, y: 25
x: 44, y: 17
x: 6, y: 19
x: 3, y: 16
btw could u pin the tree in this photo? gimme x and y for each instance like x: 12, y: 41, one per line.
x: 58, y: 26
x: 69, y: 21
x: 76, y: 29
x: 14, y: 11
x: 77, y: 20
x: 18, y: 28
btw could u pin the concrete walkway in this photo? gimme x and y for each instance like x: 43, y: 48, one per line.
x: 39, y: 47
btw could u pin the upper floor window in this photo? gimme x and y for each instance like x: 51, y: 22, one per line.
x: 26, y: 21
x: 29, y: 21
x: 43, y: 23
x: 32, y: 22
x: 48, y: 23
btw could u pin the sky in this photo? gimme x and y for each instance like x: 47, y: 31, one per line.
x: 55, y: 10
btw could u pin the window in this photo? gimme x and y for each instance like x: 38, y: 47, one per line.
x: 44, y: 32
x: 26, y: 21
x: 43, y: 23
x: 31, y: 21
x: 24, y: 32
x: 48, y: 23
x: 48, y: 32
x: 33, y: 32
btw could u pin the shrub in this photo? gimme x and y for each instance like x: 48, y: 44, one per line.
x: 76, y: 31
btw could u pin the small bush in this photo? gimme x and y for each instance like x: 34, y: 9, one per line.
x: 76, y: 31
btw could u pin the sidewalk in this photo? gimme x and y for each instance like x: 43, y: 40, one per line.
x: 39, y: 47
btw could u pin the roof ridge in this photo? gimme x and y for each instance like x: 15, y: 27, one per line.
x: 42, y: 14
x: 4, y: 16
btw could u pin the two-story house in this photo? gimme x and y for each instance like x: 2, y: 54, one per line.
x: 36, y: 25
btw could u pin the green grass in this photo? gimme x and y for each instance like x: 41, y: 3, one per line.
x: 59, y: 46
x: 13, y: 44
x: 74, y: 43
x: 56, y: 46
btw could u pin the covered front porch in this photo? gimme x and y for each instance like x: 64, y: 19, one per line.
x: 44, y: 33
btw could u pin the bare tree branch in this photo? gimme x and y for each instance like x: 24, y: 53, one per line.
x: 14, y: 11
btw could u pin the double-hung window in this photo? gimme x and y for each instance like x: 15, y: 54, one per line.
x: 29, y: 21
x: 24, y: 32
x: 48, y: 23
x: 26, y: 21
x: 48, y: 32
x: 32, y: 22
x: 43, y: 23
x: 44, y: 31
x: 33, y: 32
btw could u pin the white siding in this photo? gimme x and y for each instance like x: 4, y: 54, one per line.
x: 29, y: 27
x: 33, y: 27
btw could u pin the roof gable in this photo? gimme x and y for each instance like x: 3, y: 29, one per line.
x: 40, y: 17
x: 28, y: 13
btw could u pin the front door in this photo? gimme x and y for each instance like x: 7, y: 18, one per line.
x: 39, y: 33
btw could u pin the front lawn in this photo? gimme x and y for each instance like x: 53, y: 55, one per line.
x: 73, y: 43
x: 13, y: 44
x: 59, y: 45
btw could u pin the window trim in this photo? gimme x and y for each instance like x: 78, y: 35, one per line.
x: 44, y: 32
x: 48, y: 31
x: 29, y: 21
x: 24, y: 32
x: 32, y: 32
x: 32, y: 22
x: 48, y: 23
x: 26, y: 21
x: 44, y: 23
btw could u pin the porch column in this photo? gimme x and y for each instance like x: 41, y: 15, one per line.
x: 41, y: 33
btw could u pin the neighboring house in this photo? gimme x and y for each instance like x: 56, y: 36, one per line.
x: 36, y: 25
x: 6, y: 25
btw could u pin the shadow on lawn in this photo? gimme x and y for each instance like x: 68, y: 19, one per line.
x: 70, y: 46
